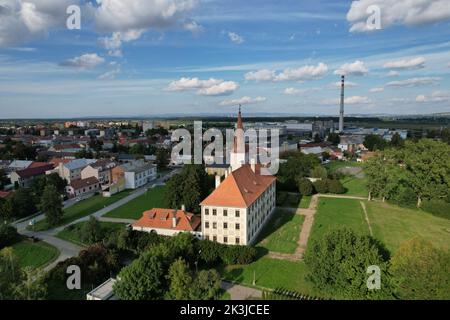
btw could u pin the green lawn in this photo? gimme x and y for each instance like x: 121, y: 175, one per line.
x: 338, y: 212
x: 304, y: 203
x: 355, y: 186
x: 272, y: 273
x: 37, y: 254
x: 71, y: 233
x: 154, y: 198
x: 282, y: 232
x: 335, y: 165
x: 83, y: 208
x: 393, y: 225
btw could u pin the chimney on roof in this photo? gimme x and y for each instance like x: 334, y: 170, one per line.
x: 174, y: 219
x: 253, y: 165
x: 183, y: 207
x: 217, y: 181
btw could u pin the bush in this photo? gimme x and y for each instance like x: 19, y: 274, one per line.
x: 319, y: 172
x: 210, y: 252
x: 437, y: 207
x: 305, y: 187
x: 8, y: 235
x: 335, y: 186
x: 405, y: 197
x: 321, y: 186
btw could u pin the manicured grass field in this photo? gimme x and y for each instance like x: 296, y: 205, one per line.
x: 338, y: 212
x: 272, y: 273
x: 71, y: 233
x: 394, y: 225
x: 37, y: 254
x: 282, y: 232
x: 154, y: 198
x: 84, y: 208
x: 304, y: 203
x: 335, y: 165
x: 355, y: 186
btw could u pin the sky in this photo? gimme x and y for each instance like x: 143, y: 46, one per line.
x: 175, y: 57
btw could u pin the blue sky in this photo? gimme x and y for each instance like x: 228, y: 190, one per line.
x: 147, y: 57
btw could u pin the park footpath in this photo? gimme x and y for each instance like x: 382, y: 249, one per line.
x: 68, y: 249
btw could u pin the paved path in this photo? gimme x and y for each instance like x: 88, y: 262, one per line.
x: 239, y: 292
x: 116, y: 220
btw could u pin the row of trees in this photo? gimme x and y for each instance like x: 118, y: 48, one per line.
x: 420, y: 170
x: 297, y: 166
x: 338, y: 264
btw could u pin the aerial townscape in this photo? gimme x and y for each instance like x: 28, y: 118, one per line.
x: 205, y: 153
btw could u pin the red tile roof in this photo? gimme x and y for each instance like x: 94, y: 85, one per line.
x: 4, y: 194
x: 38, y: 164
x: 240, y: 189
x: 83, y: 183
x: 36, y: 171
x: 162, y: 219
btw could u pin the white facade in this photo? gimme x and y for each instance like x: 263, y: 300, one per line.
x: 140, y: 177
x: 238, y: 226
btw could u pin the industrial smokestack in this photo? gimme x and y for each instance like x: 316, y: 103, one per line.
x: 341, y: 113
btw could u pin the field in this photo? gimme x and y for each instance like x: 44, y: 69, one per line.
x: 282, y: 232
x: 154, y: 198
x: 338, y: 212
x: 355, y: 186
x: 292, y: 200
x: 83, y: 208
x: 71, y: 233
x: 394, y: 225
x: 272, y: 273
x: 37, y: 254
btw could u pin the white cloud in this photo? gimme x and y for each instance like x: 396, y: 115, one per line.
x: 291, y: 91
x: 234, y: 37
x: 244, y: 100
x: 260, y: 75
x: 296, y: 91
x: 414, y: 63
x: 193, y: 27
x: 125, y: 15
x: 349, y: 100
x: 377, y: 90
x: 337, y: 84
x: 308, y: 72
x: 22, y: 20
x: 110, y: 75
x: 413, y: 82
x: 393, y: 73
x: 210, y: 87
x: 114, y: 43
x: 436, y: 97
x: 85, y: 61
x: 394, y: 12
x: 356, y: 68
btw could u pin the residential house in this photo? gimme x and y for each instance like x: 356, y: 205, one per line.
x: 101, y: 170
x: 72, y: 170
x: 136, y: 174
x: 83, y: 187
x: 24, y: 178
x: 169, y: 222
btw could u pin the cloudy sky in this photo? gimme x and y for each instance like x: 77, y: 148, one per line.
x: 144, y: 57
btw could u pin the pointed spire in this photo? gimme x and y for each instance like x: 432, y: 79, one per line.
x: 239, y: 120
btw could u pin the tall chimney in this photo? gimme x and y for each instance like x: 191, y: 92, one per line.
x: 183, y: 207
x: 341, y: 113
x: 217, y: 181
x: 253, y: 165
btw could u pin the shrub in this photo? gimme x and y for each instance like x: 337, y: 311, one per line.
x: 305, y: 187
x: 319, y: 172
x: 405, y: 196
x: 335, y: 186
x: 8, y: 235
x: 321, y: 186
x: 437, y: 207
x: 209, y: 251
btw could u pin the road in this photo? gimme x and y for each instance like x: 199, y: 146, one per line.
x: 68, y: 249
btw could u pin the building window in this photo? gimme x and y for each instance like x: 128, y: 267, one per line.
x: 225, y: 225
x: 225, y: 213
x: 206, y: 212
x: 238, y: 226
x: 214, y: 225
x: 238, y: 214
x: 225, y: 239
x: 207, y: 224
x: 207, y: 237
x: 237, y: 240
x: 214, y: 238
x: 214, y: 212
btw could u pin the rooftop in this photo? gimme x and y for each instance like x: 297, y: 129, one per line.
x: 163, y: 219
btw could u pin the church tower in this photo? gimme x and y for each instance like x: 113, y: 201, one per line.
x: 238, y: 155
